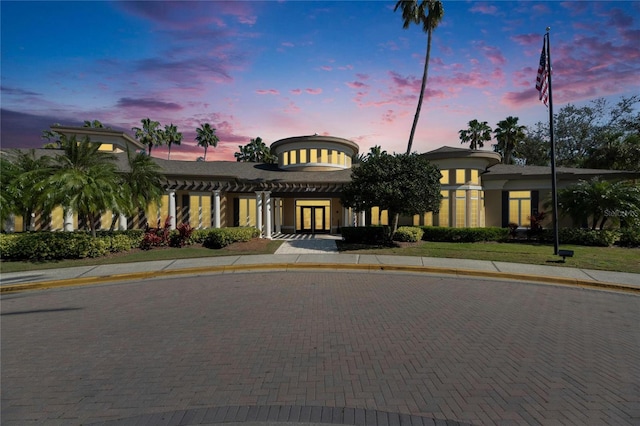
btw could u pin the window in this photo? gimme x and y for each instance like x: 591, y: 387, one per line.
x: 475, y: 177
x: 444, y: 180
x: 334, y: 157
x: 473, y: 198
x: 461, y: 209
x: 519, y: 207
x: 292, y: 157
x: 379, y: 217
x: 303, y: 156
x: 324, y: 156
x: 460, y: 176
x: 443, y: 216
x: 313, y: 155
x: 247, y: 211
x: 285, y: 158
x: 341, y: 158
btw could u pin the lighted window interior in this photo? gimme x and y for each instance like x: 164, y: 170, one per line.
x: 334, y: 157
x: 474, y: 208
x: 341, y: 158
x: 247, y: 211
x: 348, y: 163
x: 379, y: 217
x: 106, y: 147
x: 57, y: 218
x: 324, y: 156
x: 460, y: 176
x: 303, y: 156
x: 292, y: 157
x: 194, y: 211
x: 520, y: 207
x: 461, y: 209
x: 313, y: 153
x: 444, y: 180
x: 205, y: 204
x: 443, y: 216
x: 428, y: 219
x: 475, y: 177
x: 285, y: 158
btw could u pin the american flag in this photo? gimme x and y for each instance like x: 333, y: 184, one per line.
x: 543, y: 73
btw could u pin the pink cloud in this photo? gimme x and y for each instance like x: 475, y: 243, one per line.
x: 362, y: 76
x: 484, y: 8
x: 313, y: 91
x: 267, y: 92
x: 296, y: 92
x: 326, y: 68
x: 356, y: 84
x: 527, y: 39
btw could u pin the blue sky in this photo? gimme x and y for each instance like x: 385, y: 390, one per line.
x: 277, y: 69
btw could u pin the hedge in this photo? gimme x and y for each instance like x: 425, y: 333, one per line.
x: 366, y: 234
x: 630, y: 237
x: 65, y: 245
x: 222, y: 237
x: 464, y: 235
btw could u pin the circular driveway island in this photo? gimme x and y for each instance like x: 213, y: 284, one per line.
x: 320, y: 347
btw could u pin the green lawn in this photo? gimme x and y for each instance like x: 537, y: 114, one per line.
x: 604, y: 258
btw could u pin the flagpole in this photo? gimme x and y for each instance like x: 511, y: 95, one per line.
x: 554, y: 190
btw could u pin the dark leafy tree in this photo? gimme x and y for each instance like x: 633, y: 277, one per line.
x: 374, y: 151
x: 476, y: 134
x: 534, y: 149
x: 405, y: 184
x: 428, y: 14
x: 255, y: 151
x: 95, y: 124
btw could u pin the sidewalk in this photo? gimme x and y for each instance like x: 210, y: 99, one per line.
x: 321, y: 254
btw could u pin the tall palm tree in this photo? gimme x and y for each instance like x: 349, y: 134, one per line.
x: 84, y: 179
x: 509, y: 135
x: 429, y: 13
x: 142, y: 182
x: 149, y: 134
x: 476, y: 135
x: 171, y: 137
x: 206, y: 137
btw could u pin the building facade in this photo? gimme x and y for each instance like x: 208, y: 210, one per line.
x: 301, y: 193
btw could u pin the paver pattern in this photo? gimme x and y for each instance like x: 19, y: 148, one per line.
x: 395, y: 348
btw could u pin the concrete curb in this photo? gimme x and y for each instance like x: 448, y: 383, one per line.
x: 576, y: 282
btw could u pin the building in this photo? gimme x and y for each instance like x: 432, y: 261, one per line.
x: 301, y: 193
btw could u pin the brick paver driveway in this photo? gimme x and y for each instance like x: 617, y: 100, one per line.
x: 353, y: 348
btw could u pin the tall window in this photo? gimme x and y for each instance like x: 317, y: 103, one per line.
x: 473, y: 199
x: 379, y: 217
x: 461, y: 209
x: 460, y: 176
x: 443, y: 216
x: 519, y: 207
x: 303, y: 156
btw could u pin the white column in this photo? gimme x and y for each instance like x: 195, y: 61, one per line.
x: 68, y: 220
x: 122, y: 222
x: 277, y: 213
x: 172, y: 208
x: 259, y: 212
x: 362, y: 219
x: 200, y: 212
x: 346, y: 217
x: 216, y: 208
x: 267, y: 214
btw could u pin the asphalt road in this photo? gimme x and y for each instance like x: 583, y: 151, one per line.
x: 323, y: 347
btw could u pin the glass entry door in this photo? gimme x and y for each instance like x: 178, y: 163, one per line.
x: 313, y: 216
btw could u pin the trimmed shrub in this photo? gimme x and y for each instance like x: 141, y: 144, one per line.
x: 366, y: 234
x: 630, y: 237
x: 409, y: 234
x: 464, y: 235
x: 583, y: 237
x: 222, y: 237
x: 55, y: 246
x: 7, y: 245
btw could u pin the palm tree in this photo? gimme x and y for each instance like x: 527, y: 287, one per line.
x: 84, y: 179
x: 599, y: 200
x: 171, y: 137
x: 206, y: 137
x: 142, y: 183
x: 429, y: 13
x: 22, y: 173
x: 476, y: 135
x: 149, y: 134
x: 509, y: 135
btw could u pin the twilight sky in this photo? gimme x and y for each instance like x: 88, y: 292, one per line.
x: 277, y: 69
